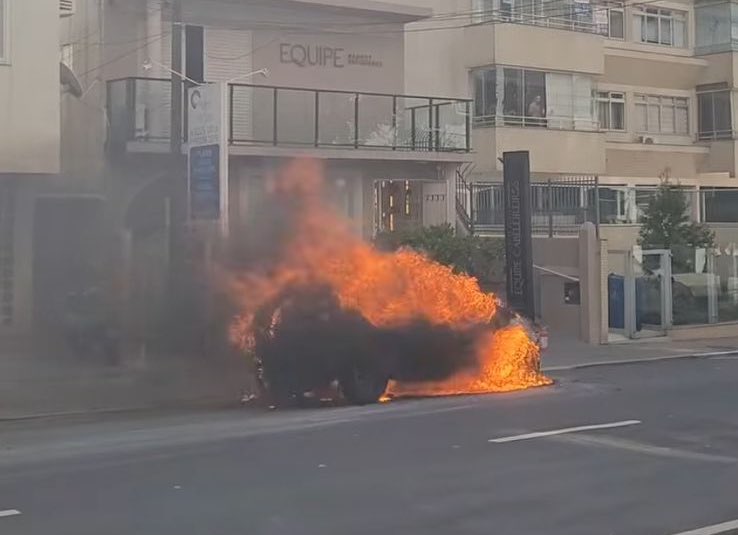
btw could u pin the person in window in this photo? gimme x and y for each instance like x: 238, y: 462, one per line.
x: 536, y: 111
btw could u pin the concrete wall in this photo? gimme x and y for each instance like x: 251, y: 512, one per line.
x: 638, y: 162
x: 83, y: 120
x: 436, y: 60
x: 560, y: 260
x: 29, y: 90
x: 551, y: 151
x: 546, y: 49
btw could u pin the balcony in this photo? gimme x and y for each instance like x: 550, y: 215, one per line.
x: 287, y: 117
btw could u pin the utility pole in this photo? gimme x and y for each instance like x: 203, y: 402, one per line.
x: 177, y: 85
x: 176, y: 205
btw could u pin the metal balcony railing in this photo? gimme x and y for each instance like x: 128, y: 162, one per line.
x: 140, y: 108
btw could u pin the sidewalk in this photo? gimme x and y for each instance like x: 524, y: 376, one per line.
x: 564, y: 352
x: 34, y: 384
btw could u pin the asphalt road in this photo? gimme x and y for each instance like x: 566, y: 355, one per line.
x: 668, y: 464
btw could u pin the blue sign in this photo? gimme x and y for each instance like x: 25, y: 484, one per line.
x: 205, y: 182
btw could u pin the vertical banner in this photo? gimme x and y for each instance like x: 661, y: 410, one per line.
x: 207, y: 137
x: 518, y: 233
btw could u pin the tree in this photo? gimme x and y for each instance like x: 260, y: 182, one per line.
x: 666, y: 224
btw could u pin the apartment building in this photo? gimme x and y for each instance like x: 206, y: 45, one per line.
x: 317, y: 78
x: 333, y: 90
x: 29, y: 142
x: 630, y: 93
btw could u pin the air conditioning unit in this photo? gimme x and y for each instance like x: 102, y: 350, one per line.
x: 646, y: 140
x: 66, y: 8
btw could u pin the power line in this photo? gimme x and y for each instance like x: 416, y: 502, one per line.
x: 124, y: 55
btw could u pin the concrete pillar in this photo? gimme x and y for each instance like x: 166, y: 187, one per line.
x: 589, y: 284
x: 448, y: 172
x: 435, y: 207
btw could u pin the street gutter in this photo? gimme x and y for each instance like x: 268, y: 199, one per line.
x: 705, y: 355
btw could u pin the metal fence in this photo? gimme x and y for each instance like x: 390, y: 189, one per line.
x: 331, y: 118
x: 559, y: 205
x: 625, y: 205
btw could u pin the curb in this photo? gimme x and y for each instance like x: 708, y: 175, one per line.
x: 191, y: 405
x: 706, y: 355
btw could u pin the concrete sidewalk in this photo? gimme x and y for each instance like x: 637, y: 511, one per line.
x: 565, y: 353
x: 38, y: 383
x: 34, y: 383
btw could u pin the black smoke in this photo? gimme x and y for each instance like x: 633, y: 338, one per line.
x: 314, y: 341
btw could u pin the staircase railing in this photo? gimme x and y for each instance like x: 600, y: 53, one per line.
x: 464, y: 202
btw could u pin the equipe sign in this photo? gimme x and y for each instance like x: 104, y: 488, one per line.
x: 304, y: 55
x: 518, y: 232
x: 207, y: 153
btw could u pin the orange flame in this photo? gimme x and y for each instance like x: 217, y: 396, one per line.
x: 387, y: 289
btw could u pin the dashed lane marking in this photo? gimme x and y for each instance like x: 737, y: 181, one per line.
x: 713, y: 530
x: 541, y: 434
x: 9, y: 512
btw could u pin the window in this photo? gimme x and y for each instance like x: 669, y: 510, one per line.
x: 616, y: 24
x: 521, y: 97
x: 661, y: 26
x: 482, y: 10
x: 524, y: 99
x: 67, y: 55
x: 4, y: 32
x: 610, y: 21
x: 662, y: 115
x: 611, y: 110
x: 714, y: 115
x: 716, y: 27
x: 485, y: 94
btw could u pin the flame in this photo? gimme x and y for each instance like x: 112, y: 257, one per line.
x: 387, y: 289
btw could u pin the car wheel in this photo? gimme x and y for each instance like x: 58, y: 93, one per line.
x: 363, y: 385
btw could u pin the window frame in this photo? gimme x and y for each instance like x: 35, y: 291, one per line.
x: 483, y: 14
x: 607, y: 98
x: 659, y: 16
x: 483, y: 119
x: 5, y: 38
x: 608, y: 34
x: 641, y: 102
x: 515, y: 89
x: 714, y: 134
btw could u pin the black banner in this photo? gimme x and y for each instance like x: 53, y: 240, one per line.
x: 518, y: 233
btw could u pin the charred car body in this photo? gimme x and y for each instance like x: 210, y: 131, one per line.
x: 305, y: 341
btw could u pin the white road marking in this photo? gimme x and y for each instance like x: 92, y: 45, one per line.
x: 541, y: 434
x: 9, y: 512
x: 712, y: 530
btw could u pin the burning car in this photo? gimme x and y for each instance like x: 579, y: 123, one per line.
x: 304, y: 342
x: 326, y: 307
